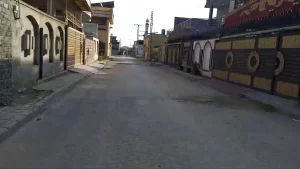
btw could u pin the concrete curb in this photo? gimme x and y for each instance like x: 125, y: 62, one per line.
x: 37, y: 108
x: 104, y: 64
x: 52, y: 77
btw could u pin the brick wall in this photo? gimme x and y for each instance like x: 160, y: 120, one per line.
x: 5, y: 45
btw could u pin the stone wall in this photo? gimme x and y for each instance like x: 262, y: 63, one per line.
x: 5, y: 45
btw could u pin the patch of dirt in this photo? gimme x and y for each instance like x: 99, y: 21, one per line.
x: 227, y: 101
x: 195, y: 99
x: 264, y: 107
x: 126, y: 63
x: 193, y: 79
x: 30, y: 95
x: 22, y: 98
x: 5, y: 100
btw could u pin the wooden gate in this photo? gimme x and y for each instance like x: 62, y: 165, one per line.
x: 268, y: 62
x: 75, y: 47
x: 186, y: 55
x: 287, y: 70
x: 265, y: 58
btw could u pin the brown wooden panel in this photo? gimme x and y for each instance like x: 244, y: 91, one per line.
x: 288, y: 80
x: 220, y: 74
x: 287, y: 89
x: 290, y: 41
x: 262, y: 83
x: 240, y: 78
x: 223, y: 45
x: 291, y: 70
x: 75, y: 41
x: 240, y: 61
x: 267, y: 63
x: 219, y: 60
x: 243, y: 44
x: 267, y: 43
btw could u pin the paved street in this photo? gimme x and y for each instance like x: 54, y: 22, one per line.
x: 135, y: 116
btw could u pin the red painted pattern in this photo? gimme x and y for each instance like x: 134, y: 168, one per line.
x: 259, y: 10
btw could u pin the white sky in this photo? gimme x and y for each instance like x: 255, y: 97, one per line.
x: 130, y: 12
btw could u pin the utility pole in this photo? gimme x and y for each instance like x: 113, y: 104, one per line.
x: 137, y: 37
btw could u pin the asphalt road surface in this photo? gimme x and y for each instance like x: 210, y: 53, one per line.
x: 142, y: 117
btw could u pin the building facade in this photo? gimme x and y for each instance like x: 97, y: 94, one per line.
x: 46, y: 39
x: 153, y: 41
x: 115, y: 45
x: 223, y: 7
x: 139, y: 48
x: 260, y: 48
x: 103, y: 15
x: 256, y: 45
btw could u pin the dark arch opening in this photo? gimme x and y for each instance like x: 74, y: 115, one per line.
x: 197, y: 54
x: 61, y: 52
x: 36, y: 37
x: 51, y: 50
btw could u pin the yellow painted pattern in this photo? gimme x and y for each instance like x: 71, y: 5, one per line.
x: 243, y: 44
x: 292, y: 41
x: 240, y: 78
x: 223, y: 45
x: 262, y: 83
x: 287, y: 89
x: 220, y: 74
x: 267, y: 43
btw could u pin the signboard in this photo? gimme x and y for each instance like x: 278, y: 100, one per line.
x: 260, y: 9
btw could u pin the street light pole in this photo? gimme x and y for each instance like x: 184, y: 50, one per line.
x: 137, y: 36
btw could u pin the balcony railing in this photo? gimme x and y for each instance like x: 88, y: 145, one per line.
x: 194, y: 27
x: 73, y: 19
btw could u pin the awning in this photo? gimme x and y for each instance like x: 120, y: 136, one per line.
x: 84, y: 5
x: 259, y: 10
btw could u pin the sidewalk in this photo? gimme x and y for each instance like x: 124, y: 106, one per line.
x: 25, y: 109
x: 284, y: 106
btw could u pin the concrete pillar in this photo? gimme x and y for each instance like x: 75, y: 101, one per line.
x: 50, y: 7
x: 231, y: 5
x: 54, y: 8
x: 211, y: 12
